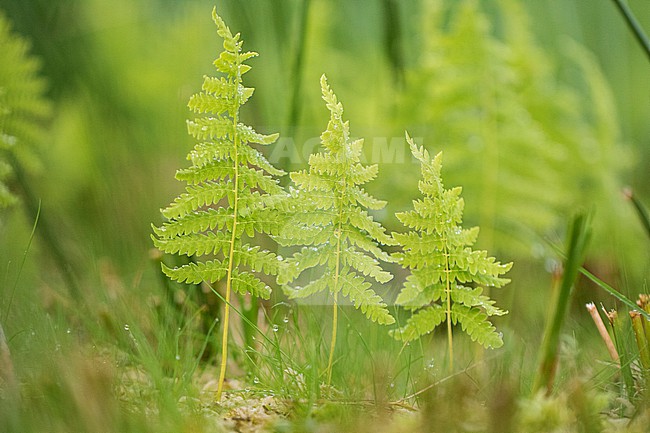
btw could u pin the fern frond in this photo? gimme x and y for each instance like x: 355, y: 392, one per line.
x: 232, y: 192
x: 329, y: 219
x: 23, y: 108
x: 438, y: 252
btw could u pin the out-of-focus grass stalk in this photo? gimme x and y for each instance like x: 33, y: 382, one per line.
x: 641, y: 340
x: 45, y: 228
x: 641, y: 211
x: 297, y: 68
x: 612, y: 291
x: 393, y: 39
x: 642, y: 302
x: 634, y: 25
x: 603, y: 331
x: 617, y: 331
x: 578, y: 236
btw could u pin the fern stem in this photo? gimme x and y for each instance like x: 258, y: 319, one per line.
x: 335, y: 311
x: 449, y: 328
x: 330, y: 362
x: 231, y: 253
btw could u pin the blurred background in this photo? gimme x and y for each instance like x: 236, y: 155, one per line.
x: 119, y: 75
x: 541, y: 109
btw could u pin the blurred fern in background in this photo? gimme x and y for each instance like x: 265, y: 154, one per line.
x: 23, y: 108
x: 526, y: 146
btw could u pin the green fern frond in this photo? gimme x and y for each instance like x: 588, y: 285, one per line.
x: 22, y: 107
x: 232, y: 190
x: 328, y: 217
x: 438, y: 253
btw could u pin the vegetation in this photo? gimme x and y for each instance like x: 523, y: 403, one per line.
x: 328, y: 211
x: 225, y: 168
x: 303, y: 303
x: 444, y: 265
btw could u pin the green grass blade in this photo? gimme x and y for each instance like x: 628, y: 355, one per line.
x: 612, y: 291
x: 641, y: 211
x: 634, y: 25
x: 578, y: 237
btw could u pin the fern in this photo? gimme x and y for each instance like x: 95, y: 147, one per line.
x: 22, y: 107
x: 516, y: 137
x: 329, y: 217
x: 447, y: 276
x: 230, y: 194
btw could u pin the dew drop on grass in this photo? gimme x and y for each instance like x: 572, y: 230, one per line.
x: 256, y: 380
x: 178, y: 357
x: 275, y: 328
x: 126, y: 327
x: 285, y: 319
x: 69, y: 331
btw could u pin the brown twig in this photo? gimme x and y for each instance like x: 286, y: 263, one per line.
x: 603, y: 331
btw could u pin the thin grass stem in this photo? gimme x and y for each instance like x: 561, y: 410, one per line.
x: 641, y: 211
x: 634, y: 26
x: 641, y: 340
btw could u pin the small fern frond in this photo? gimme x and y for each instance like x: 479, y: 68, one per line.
x: 438, y: 252
x: 328, y: 213
x: 231, y: 192
x: 328, y: 217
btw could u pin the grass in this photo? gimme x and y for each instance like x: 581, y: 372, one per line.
x: 145, y: 371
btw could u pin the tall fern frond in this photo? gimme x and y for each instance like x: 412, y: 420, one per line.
x: 230, y: 194
x: 22, y: 107
x: 328, y: 216
x: 515, y: 135
x: 447, y: 275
